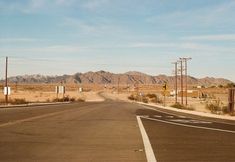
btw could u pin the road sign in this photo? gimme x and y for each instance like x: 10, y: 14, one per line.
x: 62, y: 89
x: 7, y: 90
x: 164, y: 87
x: 56, y: 89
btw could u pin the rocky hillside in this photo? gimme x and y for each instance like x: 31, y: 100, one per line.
x: 103, y: 77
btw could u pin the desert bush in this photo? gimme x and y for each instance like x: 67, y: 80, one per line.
x: 180, y: 106
x: 154, y: 98
x: 142, y: 98
x: 230, y: 85
x: 132, y: 97
x: 157, y: 100
x: 80, y: 100
x: 216, y: 106
x: 221, y: 86
x: 65, y: 99
x: 2, y: 101
x: 151, y: 95
x: 226, y: 110
x: 145, y: 100
x: 18, y: 101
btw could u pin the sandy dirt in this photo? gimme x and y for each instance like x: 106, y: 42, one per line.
x: 195, y: 103
x: 39, y: 96
x: 46, y: 93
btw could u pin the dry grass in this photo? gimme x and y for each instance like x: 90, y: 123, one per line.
x: 46, y: 93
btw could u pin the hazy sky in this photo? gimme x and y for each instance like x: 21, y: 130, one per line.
x: 68, y: 36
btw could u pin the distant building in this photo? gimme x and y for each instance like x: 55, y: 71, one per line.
x: 190, y: 93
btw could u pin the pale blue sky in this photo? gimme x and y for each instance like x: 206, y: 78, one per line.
x: 67, y: 36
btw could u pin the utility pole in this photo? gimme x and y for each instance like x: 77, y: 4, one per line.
x: 176, y: 81
x: 231, y: 100
x: 137, y: 87
x: 16, y: 87
x: 185, y: 60
x: 62, y: 86
x: 118, y: 83
x: 6, y: 82
x: 181, y: 81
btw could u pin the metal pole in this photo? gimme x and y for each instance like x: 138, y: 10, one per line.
x: 233, y: 91
x: 16, y: 86
x: 182, y: 82
x: 176, y: 81
x: 57, y: 93
x: 118, y: 83
x: 6, y: 82
x: 164, y: 99
x: 185, y: 59
x: 231, y: 100
x: 186, y: 84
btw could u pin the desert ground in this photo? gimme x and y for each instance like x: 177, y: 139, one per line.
x: 46, y: 93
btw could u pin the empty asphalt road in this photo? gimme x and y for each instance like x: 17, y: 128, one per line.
x: 109, y: 132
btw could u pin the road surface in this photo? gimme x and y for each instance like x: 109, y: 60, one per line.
x: 109, y: 132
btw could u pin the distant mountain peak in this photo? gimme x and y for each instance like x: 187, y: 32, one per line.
x: 104, y: 77
x: 134, y: 73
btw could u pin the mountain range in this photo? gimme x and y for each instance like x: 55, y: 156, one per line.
x: 104, y: 77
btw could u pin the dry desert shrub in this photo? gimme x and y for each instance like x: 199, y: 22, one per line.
x: 216, y: 106
x: 180, y: 106
x: 68, y: 99
x: 16, y: 101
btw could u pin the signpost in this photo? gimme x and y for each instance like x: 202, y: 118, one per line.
x: 59, y: 90
x: 7, y: 91
x: 164, y: 87
x: 6, y: 82
x: 231, y: 100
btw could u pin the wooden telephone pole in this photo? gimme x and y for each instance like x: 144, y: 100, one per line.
x: 185, y: 60
x: 181, y: 81
x: 6, y: 82
x: 176, y: 81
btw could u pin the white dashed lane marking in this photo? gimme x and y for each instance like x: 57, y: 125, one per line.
x: 170, y: 116
x: 157, y: 116
x: 180, y: 116
x: 190, y: 121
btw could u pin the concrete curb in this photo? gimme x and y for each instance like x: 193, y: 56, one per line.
x: 194, y: 113
x: 33, y: 104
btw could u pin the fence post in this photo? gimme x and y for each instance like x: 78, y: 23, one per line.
x: 231, y: 100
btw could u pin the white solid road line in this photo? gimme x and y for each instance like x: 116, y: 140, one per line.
x: 191, y: 126
x: 147, y: 145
